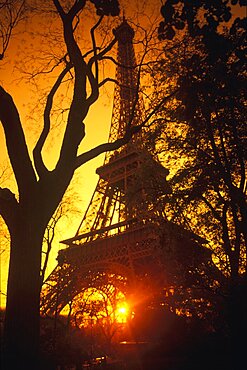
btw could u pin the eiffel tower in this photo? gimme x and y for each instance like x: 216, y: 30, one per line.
x: 114, y: 236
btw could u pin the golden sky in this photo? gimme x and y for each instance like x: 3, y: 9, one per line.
x: 23, y: 55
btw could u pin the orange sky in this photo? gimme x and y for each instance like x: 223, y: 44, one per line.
x: 26, y: 42
x: 97, y: 122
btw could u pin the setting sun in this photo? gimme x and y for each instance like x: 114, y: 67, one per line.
x: 122, y: 313
x: 122, y: 310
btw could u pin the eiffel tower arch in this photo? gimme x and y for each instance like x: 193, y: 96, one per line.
x: 113, y: 236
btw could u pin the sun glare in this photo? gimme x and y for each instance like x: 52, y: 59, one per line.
x: 122, y: 313
x: 122, y: 310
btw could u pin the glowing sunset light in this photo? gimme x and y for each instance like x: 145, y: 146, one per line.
x: 122, y: 313
x: 122, y: 310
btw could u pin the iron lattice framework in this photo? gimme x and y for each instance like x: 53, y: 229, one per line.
x: 111, y: 237
x: 107, y: 206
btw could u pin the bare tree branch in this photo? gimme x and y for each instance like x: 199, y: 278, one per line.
x: 16, y: 143
x: 8, y: 207
x: 131, y: 130
x: 108, y: 79
x: 76, y: 8
x: 59, y: 8
x: 92, y: 32
x: 11, y: 14
x: 38, y: 161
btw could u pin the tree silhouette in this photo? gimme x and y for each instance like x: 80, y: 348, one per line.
x: 39, y: 189
x: 11, y: 13
x: 66, y: 209
x: 206, y: 127
x: 95, y: 310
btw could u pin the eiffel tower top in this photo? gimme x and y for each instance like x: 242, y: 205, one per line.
x: 124, y: 32
x: 127, y: 104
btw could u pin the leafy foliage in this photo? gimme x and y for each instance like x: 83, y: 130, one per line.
x: 210, y: 109
x: 106, y: 7
x: 200, y: 18
x: 205, y: 127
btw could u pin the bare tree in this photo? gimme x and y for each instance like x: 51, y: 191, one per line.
x: 66, y: 208
x: 97, y: 309
x: 11, y: 13
x: 40, y: 189
x: 5, y: 174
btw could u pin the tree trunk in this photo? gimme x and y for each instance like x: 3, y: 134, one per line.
x: 21, y: 329
x: 238, y: 324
